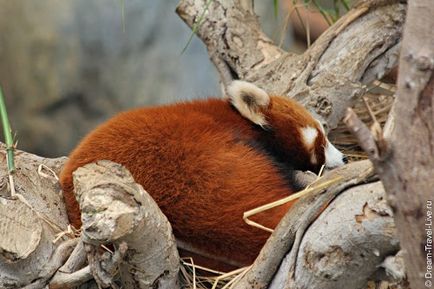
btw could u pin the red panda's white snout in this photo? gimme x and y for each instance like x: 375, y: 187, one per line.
x: 333, y: 157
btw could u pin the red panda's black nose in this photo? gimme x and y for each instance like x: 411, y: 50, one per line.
x: 345, y: 159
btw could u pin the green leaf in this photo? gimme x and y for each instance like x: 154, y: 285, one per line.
x: 7, y: 132
x: 196, y: 26
x: 276, y: 8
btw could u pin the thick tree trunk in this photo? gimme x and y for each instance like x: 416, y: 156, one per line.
x: 408, y: 174
x: 405, y: 159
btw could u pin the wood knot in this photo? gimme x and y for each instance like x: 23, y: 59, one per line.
x: 424, y: 63
x: 322, y: 105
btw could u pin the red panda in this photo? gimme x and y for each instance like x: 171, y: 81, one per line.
x: 206, y: 162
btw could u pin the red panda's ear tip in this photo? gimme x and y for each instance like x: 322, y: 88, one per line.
x: 248, y: 93
x: 249, y: 99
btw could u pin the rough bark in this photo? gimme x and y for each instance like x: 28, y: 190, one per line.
x: 125, y: 213
x: 404, y: 157
x: 412, y: 141
x: 30, y: 223
x: 74, y: 272
x: 325, y: 259
x: 116, y: 210
x: 59, y: 257
x: 343, y: 248
x: 327, y: 78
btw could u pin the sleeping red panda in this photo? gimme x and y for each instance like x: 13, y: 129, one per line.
x: 206, y: 162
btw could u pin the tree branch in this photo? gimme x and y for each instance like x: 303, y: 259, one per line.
x: 71, y: 280
x: 286, y: 239
x: 59, y: 257
x: 115, y: 210
x: 328, y: 77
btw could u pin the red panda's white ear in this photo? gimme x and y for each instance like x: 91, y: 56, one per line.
x: 248, y: 99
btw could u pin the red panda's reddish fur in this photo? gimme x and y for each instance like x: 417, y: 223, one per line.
x: 204, y: 164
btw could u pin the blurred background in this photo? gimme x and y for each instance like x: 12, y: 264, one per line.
x: 66, y: 66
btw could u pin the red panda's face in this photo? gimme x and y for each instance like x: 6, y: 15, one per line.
x: 300, y: 137
x: 289, y: 129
